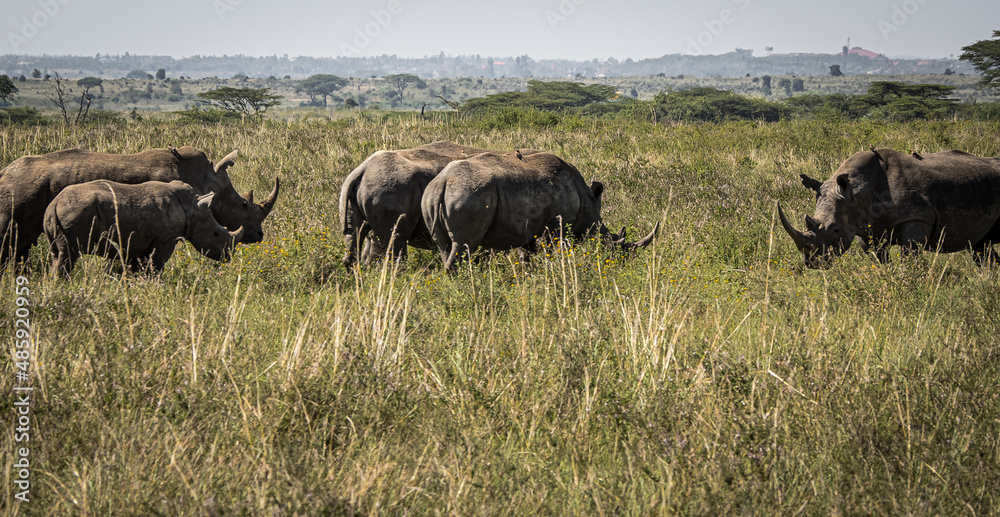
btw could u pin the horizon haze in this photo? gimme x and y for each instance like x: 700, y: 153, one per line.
x: 566, y: 29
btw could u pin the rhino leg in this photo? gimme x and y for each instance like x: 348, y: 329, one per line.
x: 913, y: 237
x: 64, y: 256
x: 161, y: 254
x: 459, y: 253
x: 353, y: 241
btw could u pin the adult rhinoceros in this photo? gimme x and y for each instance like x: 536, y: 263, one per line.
x: 30, y: 183
x: 501, y: 201
x: 380, y: 199
x: 138, y: 224
x: 947, y: 201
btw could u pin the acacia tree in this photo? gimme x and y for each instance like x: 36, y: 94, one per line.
x: 321, y: 85
x: 7, y: 88
x: 985, y: 57
x: 91, y: 82
x: 400, y: 82
x: 250, y: 102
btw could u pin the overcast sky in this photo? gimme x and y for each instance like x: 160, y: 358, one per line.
x: 575, y: 29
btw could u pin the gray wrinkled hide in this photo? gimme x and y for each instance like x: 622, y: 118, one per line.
x: 947, y: 201
x: 499, y: 202
x: 387, y: 186
x: 142, y: 222
x: 30, y: 183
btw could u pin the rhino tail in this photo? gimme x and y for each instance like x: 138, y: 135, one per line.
x: 351, y: 217
x: 6, y: 236
x: 432, y: 206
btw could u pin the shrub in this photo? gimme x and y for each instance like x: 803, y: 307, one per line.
x: 712, y: 105
x: 23, y: 116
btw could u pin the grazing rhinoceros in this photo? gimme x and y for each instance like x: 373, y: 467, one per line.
x: 30, y: 183
x: 500, y: 201
x: 380, y: 199
x: 137, y: 224
x: 947, y: 201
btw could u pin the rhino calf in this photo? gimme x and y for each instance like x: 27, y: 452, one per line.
x: 137, y: 224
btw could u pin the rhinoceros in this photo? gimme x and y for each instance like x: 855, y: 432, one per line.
x: 30, y: 183
x: 501, y: 201
x: 380, y: 199
x: 947, y: 201
x: 138, y: 224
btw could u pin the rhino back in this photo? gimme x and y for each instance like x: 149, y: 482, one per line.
x: 520, y: 199
x: 57, y: 170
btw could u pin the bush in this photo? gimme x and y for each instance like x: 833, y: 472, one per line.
x: 23, y: 116
x: 104, y: 117
x: 209, y: 116
x: 507, y: 118
x: 712, y: 105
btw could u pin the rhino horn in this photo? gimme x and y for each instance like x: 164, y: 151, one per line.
x: 642, y: 243
x: 269, y: 202
x: 227, y: 162
x: 647, y: 240
x: 205, y: 201
x: 620, y: 236
x: 795, y: 234
x: 236, y: 235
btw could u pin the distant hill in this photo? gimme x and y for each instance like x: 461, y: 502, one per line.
x: 734, y: 64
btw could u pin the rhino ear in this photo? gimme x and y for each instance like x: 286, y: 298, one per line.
x: 249, y: 196
x: 597, y: 188
x: 227, y: 162
x: 810, y: 183
x: 844, y: 182
x: 205, y: 201
x: 812, y: 224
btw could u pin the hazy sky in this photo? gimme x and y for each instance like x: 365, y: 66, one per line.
x: 577, y: 29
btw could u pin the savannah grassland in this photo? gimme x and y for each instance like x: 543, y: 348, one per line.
x: 708, y: 374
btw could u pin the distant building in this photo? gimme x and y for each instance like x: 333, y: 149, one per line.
x: 858, y: 51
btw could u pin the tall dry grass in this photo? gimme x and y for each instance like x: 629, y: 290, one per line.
x: 708, y: 374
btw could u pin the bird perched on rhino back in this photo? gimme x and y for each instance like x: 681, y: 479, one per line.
x: 30, y: 183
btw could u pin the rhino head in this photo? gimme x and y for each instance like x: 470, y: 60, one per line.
x: 234, y: 211
x: 844, y: 205
x: 618, y: 240
x: 206, y: 234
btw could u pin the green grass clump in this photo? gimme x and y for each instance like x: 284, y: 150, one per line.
x: 708, y: 374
